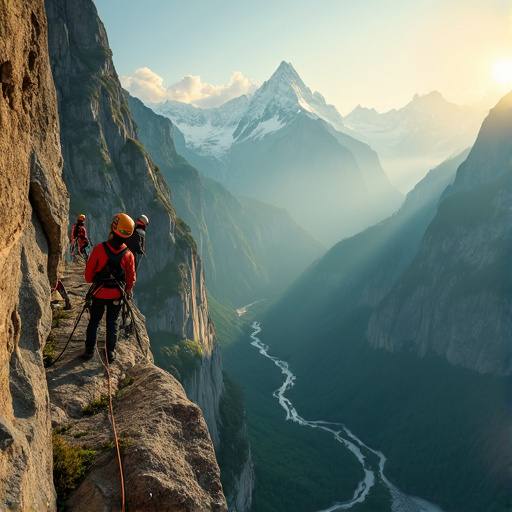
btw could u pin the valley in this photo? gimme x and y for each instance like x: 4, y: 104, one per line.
x: 372, y: 462
x: 327, y: 298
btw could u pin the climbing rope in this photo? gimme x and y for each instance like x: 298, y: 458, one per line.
x: 127, y: 312
x: 106, y: 364
x: 87, y: 304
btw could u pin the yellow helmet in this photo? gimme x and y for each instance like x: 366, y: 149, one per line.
x: 81, y: 217
x: 122, y: 225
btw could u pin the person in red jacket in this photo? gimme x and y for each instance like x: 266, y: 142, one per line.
x: 111, y: 266
x: 78, y: 236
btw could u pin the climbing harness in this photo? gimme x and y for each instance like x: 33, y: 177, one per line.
x: 126, y: 312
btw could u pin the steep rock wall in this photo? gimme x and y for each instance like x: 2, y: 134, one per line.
x: 456, y: 298
x: 33, y: 206
x: 107, y: 170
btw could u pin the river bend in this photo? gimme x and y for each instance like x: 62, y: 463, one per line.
x: 372, y: 461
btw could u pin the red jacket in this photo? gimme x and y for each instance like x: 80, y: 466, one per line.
x: 79, y: 233
x: 98, y: 259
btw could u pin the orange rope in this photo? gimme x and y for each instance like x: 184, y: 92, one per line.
x: 113, y: 421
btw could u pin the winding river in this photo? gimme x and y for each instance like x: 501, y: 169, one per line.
x: 371, y: 460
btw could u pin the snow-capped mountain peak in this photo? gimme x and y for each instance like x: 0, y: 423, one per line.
x: 276, y: 103
x: 208, y: 131
x: 281, y: 98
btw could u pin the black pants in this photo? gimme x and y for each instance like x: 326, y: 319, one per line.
x: 97, y: 309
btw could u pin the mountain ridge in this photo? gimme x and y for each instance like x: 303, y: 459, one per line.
x: 414, y: 138
x: 292, y: 150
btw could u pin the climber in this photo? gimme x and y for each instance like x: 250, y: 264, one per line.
x: 137, y: 242
x: 111, y: 267
x: 59, y: 292
x: 79, y: 241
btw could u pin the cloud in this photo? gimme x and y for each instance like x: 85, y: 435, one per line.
x: 148, y: 87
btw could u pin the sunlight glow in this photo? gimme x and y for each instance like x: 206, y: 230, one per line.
x: 502, y: 71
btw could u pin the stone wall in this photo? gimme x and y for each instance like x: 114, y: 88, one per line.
x: 33, y: 207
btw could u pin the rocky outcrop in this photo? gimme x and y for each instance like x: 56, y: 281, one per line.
x: 168, y: 461
x: 454, y: 300
x: 33, y: 204
x: 107, y: 170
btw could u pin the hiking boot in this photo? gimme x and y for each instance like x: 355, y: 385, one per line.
x: 111, y: 357
x: 87, y: 355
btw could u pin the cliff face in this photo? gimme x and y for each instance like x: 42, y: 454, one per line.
x: 107, y: 170
x: 456, y: 298
x: 33, y: 204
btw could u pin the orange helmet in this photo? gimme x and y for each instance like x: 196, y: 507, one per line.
x: 81, y: 217
x: 122, y: 225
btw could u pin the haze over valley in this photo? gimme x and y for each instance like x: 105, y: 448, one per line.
x: 322, y: 313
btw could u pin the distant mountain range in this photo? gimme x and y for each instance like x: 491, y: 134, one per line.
x: 417, y: 137
x: 288, y: 147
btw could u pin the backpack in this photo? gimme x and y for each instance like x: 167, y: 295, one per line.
x: 78, y: 230
x: 112, y: 274
x: 136, y: 242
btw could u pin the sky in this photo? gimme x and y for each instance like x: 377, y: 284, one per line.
x: 374, y: 53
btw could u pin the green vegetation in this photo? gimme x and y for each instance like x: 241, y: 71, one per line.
x: 124, y: 442
x: 127, y: 381
x: 229, y: 327
x: 95, y: 406
x: 443, y: 429
x: 84, y: 433
x: 51, y: 341
x: 100, y: 404
x: 166, y: 283
x: 93, y: 58
x: 57, y: 316
x: 70, y: 464
x: 180, y: 357
x: 186, y: 240
x: 108, y: 445
x: 49, y: 348
x: 297, y: 468
x: 61, y: 429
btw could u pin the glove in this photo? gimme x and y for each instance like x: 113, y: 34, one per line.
x: 128, y: 294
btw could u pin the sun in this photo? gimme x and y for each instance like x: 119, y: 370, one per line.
x: 502, y: 71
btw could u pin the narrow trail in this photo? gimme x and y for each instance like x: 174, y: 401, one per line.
x: 73, y: 383
x: 149, y: 444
